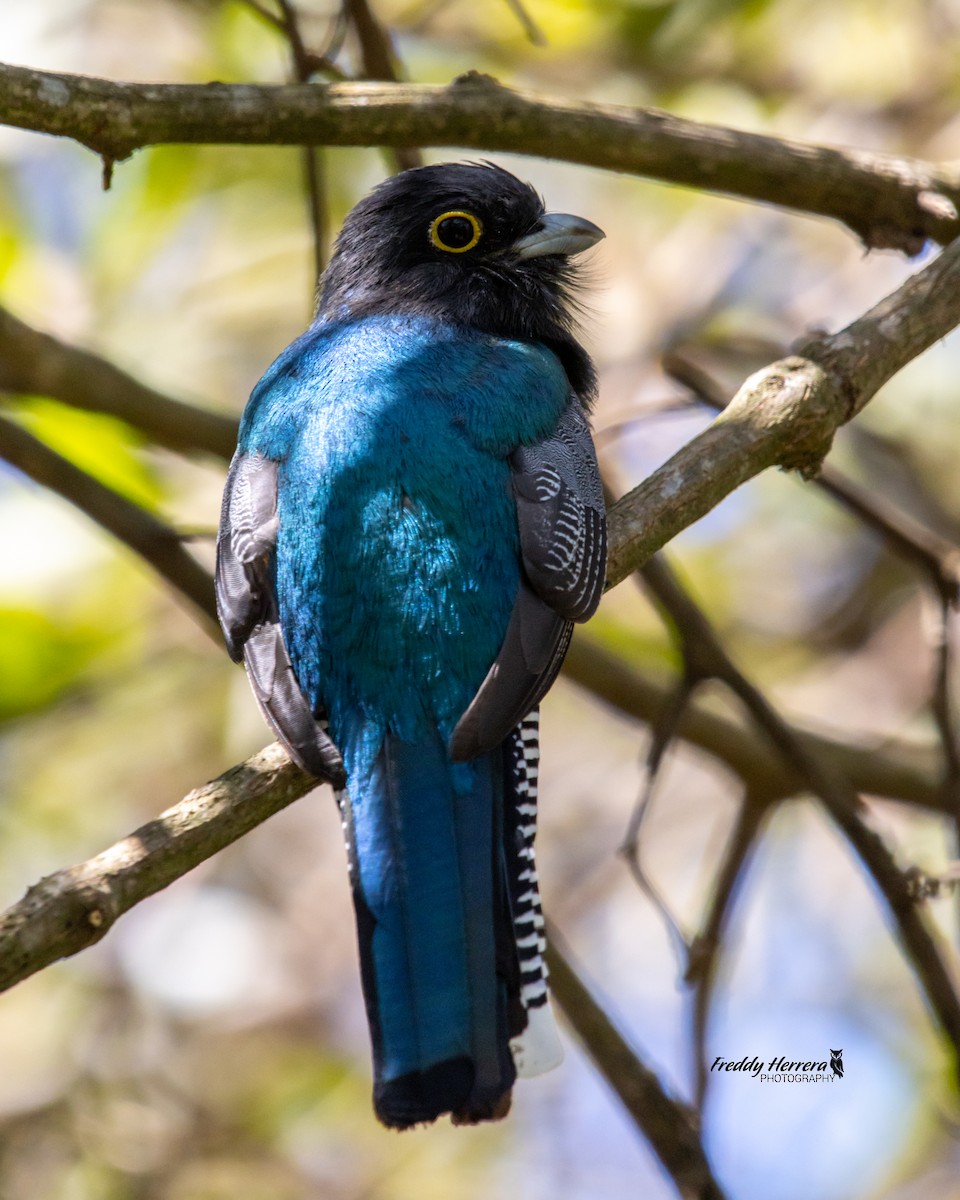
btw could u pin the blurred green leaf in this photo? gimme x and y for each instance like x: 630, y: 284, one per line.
x: 41, y: 657
x: 102, y: 446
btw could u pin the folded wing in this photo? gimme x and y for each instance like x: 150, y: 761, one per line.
x: 563, y: 546
x: 247, y: 607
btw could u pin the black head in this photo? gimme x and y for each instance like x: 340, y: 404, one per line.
x: 468, y: 243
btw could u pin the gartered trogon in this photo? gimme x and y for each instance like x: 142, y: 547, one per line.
x: 411, y: 524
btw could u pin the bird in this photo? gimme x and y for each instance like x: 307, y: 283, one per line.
x: 411, y: 525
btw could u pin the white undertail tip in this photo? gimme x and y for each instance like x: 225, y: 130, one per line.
x: 538, y: 1048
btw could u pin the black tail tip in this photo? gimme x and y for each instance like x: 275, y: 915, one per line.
x: 420, y: 1097
x: 493, y: 1110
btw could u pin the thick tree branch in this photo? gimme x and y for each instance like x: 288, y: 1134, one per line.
x: 72, y: 909
x: 37, y: 364
x: 786, y: 414
x: 886, y: 201
x: 937, y: 558
x: 906, y: 772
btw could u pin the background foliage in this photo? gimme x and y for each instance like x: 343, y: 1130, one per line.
x: 213, y: 1046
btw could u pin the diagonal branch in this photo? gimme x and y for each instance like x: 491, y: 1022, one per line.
x: 37, y: 364
x: 786, y: 414
x: 671, y: 1127
x: 155, y: 542
x: 903, y: 771
x: 74, y: 908
x: 886, y: 201
x: 834, y: 791
x: 936, y: 557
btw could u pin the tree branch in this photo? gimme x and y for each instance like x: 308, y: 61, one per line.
x: 937, y: 558
x: 898, y: 771
x: 313, y: 166
x: 886, y: 201
x: 37, y: 364
x: 786, y: 414
x: 73, y: 908
x: 671, y: 1127
x: 705, y: 950
x: 379, y: 61
x: 155, y: 542
x: 918, y: 940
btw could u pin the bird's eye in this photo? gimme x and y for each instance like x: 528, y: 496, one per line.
x: 455, y: 231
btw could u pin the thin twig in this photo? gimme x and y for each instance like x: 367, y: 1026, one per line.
x: 318, y: 62
x: 304, y: 65
x: 535, y: 34
x: 271, y: 18
x: 379, y: 61
x: 945, y: 717
x: 831, y: 788
x: 937, y: 558
x: 705, y: 951
x: 901, y: 771
x: 939, y: 561
x: 663, y: 731
x: 786, y: 415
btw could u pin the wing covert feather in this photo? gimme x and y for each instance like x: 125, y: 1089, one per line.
x: 563, y: 545
x: 561, y: 516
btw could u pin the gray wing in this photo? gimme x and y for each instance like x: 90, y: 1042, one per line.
x: 247, y: 607
x: 563, y: 546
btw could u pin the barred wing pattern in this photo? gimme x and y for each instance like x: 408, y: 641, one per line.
x: 560, y: 513
x: 563, y: 544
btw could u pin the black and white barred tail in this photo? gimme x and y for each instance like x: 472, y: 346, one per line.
x: 537, y: 1048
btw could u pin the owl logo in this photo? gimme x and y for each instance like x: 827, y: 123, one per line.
x: 836, y: 1063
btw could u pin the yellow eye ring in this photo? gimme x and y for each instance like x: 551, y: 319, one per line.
x: 455, y: 233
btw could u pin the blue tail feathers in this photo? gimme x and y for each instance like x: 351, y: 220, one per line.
x: 425, y: 839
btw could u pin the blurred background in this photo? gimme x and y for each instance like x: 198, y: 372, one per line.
x: 214, y: 1044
